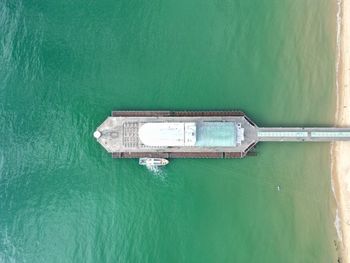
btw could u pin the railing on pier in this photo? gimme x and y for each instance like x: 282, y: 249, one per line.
x: 216, y: 155
x: 176, y: 113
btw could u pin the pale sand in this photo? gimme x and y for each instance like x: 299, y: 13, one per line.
x: 341, y: 150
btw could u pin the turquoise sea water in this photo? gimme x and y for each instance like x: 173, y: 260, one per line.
x: 64, y: 65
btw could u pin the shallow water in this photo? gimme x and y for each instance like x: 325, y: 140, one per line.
x: 65, y: 65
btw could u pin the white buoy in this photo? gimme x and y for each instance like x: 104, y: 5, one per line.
x: 97, y: 134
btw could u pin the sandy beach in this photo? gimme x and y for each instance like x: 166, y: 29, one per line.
x: 341, y: 150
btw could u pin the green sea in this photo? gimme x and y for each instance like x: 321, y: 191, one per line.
x: 65, y: 65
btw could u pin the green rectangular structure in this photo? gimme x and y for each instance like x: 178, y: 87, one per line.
x: 215, y: 134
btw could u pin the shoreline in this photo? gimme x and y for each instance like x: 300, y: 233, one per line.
x: 340, y: 151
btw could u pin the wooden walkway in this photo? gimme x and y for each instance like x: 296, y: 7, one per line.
x: 303, y: 134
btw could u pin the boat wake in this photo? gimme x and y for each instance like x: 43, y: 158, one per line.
x: 156, y: 171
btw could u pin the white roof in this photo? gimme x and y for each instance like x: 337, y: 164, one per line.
x: 167, y: 134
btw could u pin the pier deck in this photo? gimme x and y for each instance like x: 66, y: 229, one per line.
x: 119, y: 134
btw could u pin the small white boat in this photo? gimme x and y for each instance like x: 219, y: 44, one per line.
x: 153, y: 161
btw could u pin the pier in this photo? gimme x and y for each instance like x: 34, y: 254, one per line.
x: 198, y: 134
